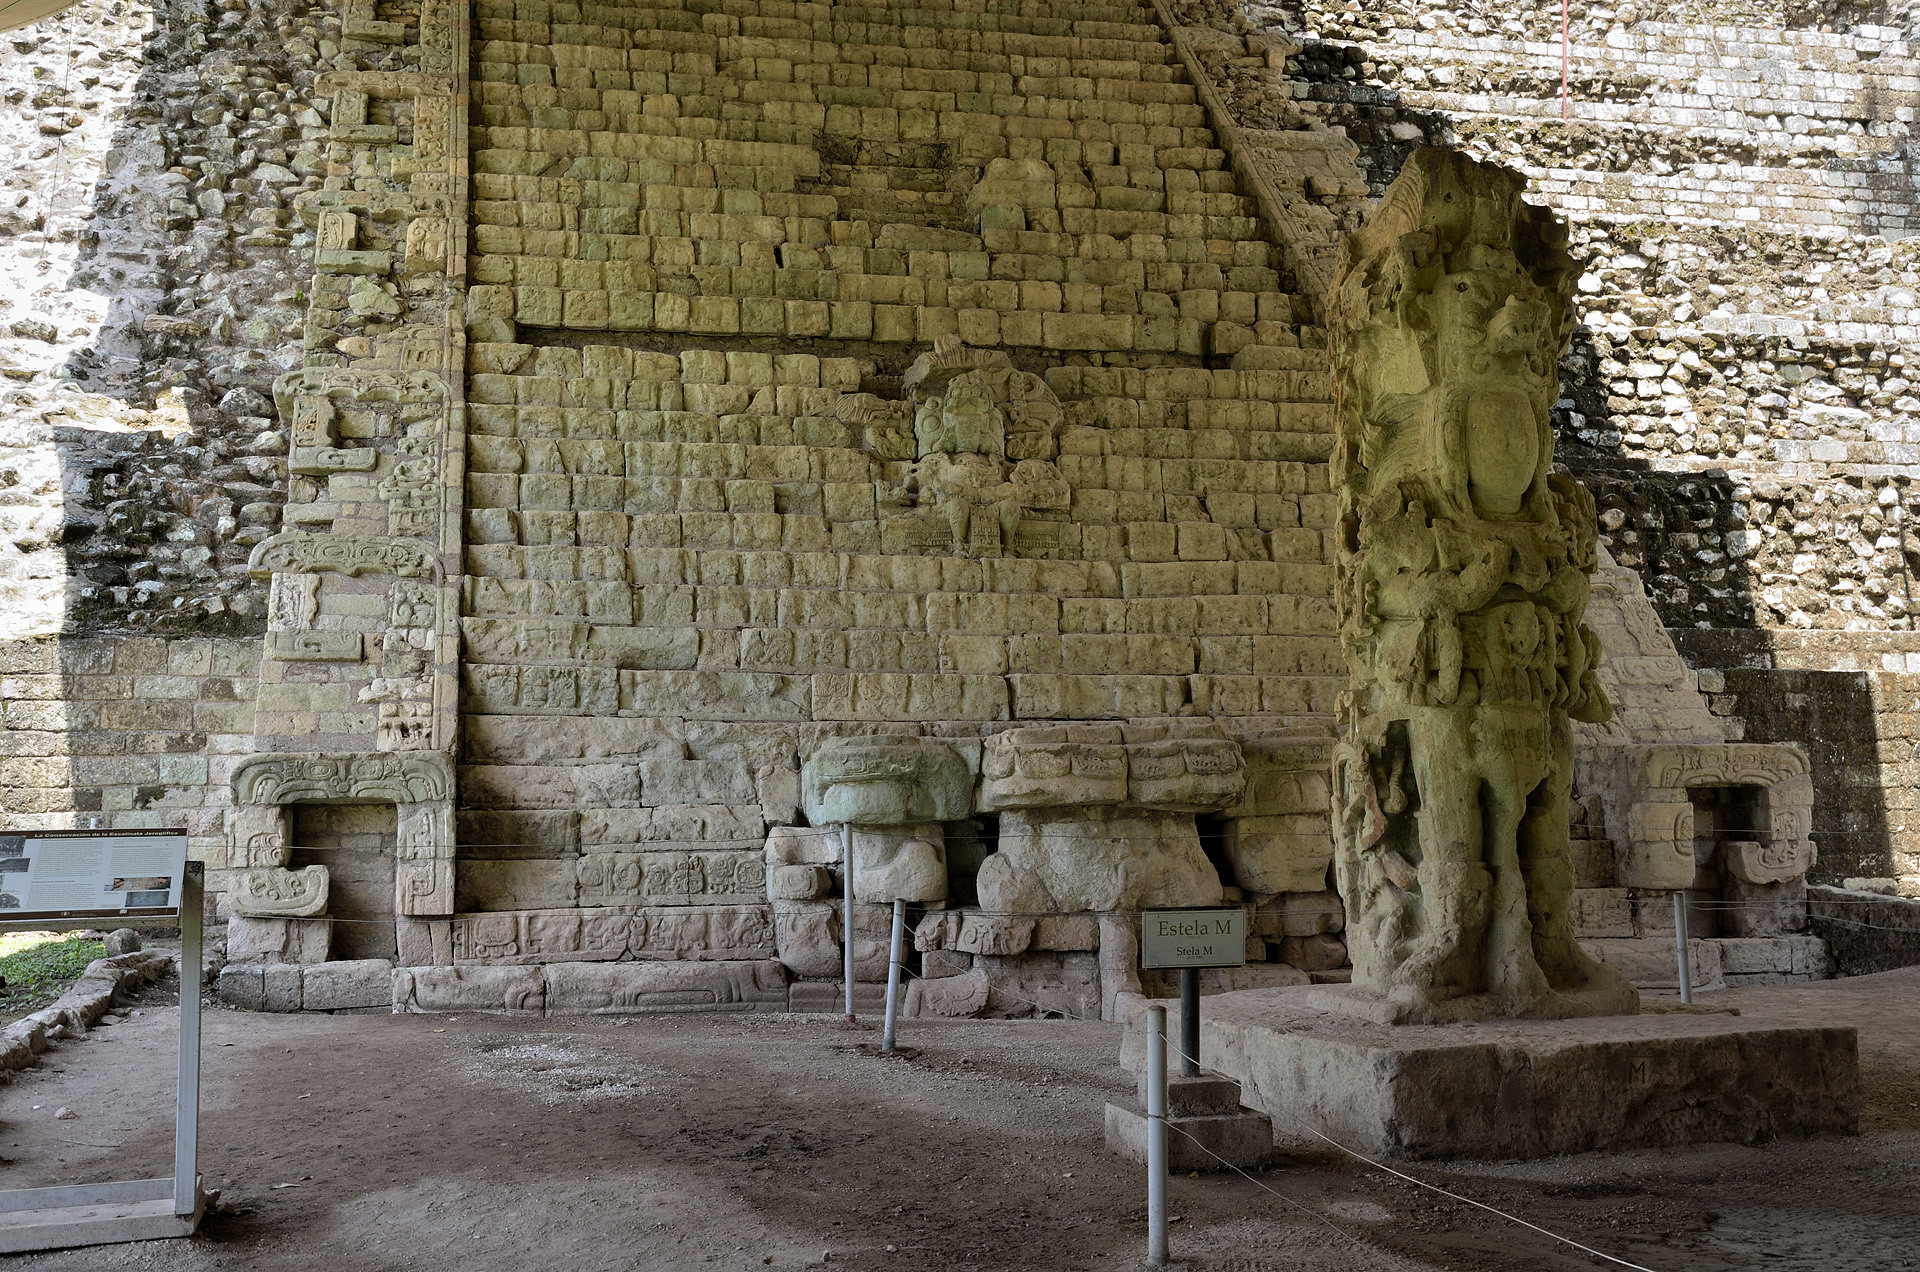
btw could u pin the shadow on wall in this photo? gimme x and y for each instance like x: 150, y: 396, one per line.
x: 1385, y: 131
x: 1677, y: 531
x: 190, y: 232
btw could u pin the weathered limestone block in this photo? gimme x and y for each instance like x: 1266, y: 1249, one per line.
x: 1769, y: 909
x: 422, y: 989
x: 1602, y: 913
x: 937, y: 964
x: 1005, y: 888
x: 1100, y: 859
x: 424, y: 942
x: 1279, y: 854
x: 1182, y: 767
x: 282, y: 987
x: 905, y: 863
x: 277, y: 892
x: 993, y: 934
x: 884, y: 780
x: 351, y: 983
x: 667, y: 878
x: 257, y: 940
x: 1657, y: 851
x: 257, y: 836
x: 597, y: 988
x: 242, y: 986
x: 1299, y: 914
x: 550, y: 786
x: 807, y: 937
x: 1770, y: 861
x: 803, y: 845
x: 938, y: 930
x: 1066, y: 932
x: 1060, y: 985
x: 798, y: 883
x: 515, y: 885
x: 1178, y: 767
x: 1319, y: 953
x: 955, y: 997
x: 1650, y: 962
x: 704, y: 932
x: 1464, y: 566
x: 778, y: 788
x: 1277, y: 835
x: 1053, y: 767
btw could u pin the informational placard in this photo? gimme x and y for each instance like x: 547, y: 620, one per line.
x: 83, y: 874
x: 1193, y: 938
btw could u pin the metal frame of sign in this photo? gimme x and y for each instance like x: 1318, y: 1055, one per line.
x: 135, y: 1209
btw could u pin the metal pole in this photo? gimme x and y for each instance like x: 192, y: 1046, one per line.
x: 186, y: 1115
x: 846, y: 913
x: 1156, y: 1135
x: 1190, y: 1022
x: 1680, y: 943
x: 897, y: 954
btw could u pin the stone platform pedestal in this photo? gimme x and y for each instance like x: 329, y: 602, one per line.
x: 1207, y: 1127
x: 1522, y: 1089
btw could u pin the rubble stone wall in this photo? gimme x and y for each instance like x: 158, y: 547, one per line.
x: 152, y: 286
x: 153, y: 289
x: 1739, y: 178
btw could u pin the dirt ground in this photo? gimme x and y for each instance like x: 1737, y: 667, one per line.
x: 378, y: 1143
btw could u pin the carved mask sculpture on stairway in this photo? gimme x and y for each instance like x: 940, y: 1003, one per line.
x: 1464, y: 564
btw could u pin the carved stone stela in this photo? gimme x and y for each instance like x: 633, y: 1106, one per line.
x: 1464, y: 563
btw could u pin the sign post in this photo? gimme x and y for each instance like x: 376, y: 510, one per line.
x: 1190, y: 940
x: 77, y: 879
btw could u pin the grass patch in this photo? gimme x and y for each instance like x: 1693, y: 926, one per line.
x: 38, y: 965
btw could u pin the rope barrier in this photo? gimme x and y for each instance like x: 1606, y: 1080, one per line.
x: 1177, y: 1051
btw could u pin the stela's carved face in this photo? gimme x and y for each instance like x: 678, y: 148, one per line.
x: 1493, y: 346
x: 962, y: 420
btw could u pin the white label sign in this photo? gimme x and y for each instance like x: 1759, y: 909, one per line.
x: 1193, y: 938
x: 77, y: 876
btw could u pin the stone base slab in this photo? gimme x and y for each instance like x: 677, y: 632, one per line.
x: 1207, y: 1127
x: 1214, y: 1142
x: 1523, y: 1089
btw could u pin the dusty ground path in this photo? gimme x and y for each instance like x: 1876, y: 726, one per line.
x: 382, y: 1143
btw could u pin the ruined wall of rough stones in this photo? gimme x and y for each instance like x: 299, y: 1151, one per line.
x: 1739, y: 181
x: 152, y: 285
x: 153, y: 289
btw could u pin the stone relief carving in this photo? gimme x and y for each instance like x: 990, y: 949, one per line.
x: 276, y: 892
x: 1463, y: 567
x: 885, y: 781
x: 978, y: 438
x: 298, y: 552
x: 1644, y: 790
x: 257, y: 836
x: 1187, y: 767
x: 293, y: 602
x: 370, y: 777
x: 312, y: 646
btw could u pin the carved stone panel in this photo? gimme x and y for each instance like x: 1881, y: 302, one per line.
x: 363, y: 777
x: 276, y: 892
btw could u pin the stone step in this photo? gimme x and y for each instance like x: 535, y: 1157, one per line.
x: 1042, y: 607
x: 1235, y: 1137
x: 1202, y: 1095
